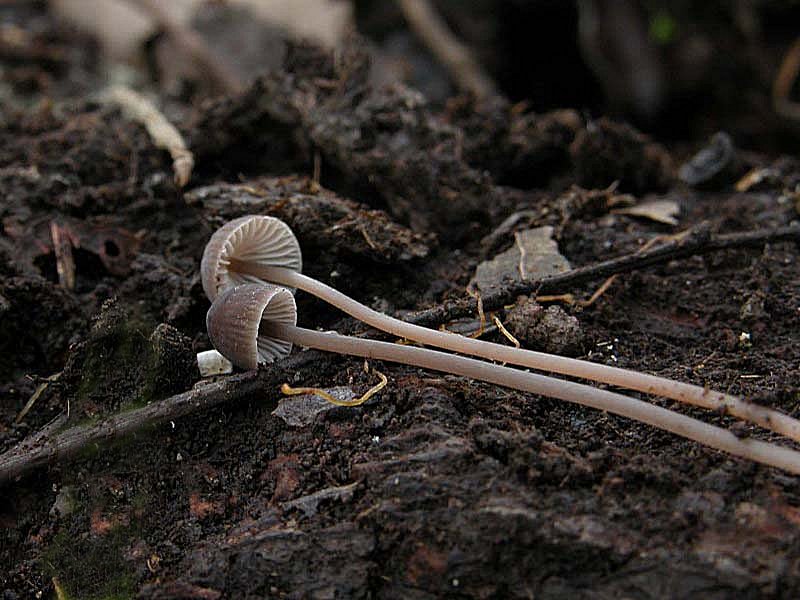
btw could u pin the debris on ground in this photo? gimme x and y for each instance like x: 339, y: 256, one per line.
x: 143, y: 480
x: 534, y: 255
x: 659, y: 210
x: 549, y: 329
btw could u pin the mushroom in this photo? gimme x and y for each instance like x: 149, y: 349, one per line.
x: 259, y: 248
x: 252, y: 324
x: 234, y: 322
x: 249, y: 240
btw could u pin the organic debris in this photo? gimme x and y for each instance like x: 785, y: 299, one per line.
x: 533, y: 256
x: 114, y: 246
x: 129, y: 476
x: 549, y: 329
x: 714, y: 165
x: 300, y: 411
x: 321, y: 219
x: 661, y: 211
x: 162, y: 132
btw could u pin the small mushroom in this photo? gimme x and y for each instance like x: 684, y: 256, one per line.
x: 249, y: 240
x: 253, y: 324
x: 263, y: 249
x: 234, y: 318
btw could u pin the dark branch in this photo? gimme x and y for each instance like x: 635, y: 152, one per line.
x: 50, y: 446
x: 696, y: 243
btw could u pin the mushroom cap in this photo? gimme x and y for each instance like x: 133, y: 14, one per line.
x: 253, y: 238
x: 234, y: 320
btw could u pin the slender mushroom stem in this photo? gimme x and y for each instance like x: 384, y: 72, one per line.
x: 642, y: 382
x: 693, y: 429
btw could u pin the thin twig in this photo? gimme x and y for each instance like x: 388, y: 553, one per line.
x: 696, y: 243
x: 193, y: 44
x: 50, y: 446
x: 453, y: 55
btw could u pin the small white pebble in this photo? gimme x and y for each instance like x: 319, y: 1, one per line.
x: 172, y: 423
x: 455, y: 582
x: 179, y: 457
x: 375, y: 439
x: 212, y: 363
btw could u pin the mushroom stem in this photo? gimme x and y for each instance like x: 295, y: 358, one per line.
x: 642, y: 382
x: 693, y: 429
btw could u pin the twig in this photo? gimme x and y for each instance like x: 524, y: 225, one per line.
x: 696, y: 243
x: 51, y: 446
x: 35, y: 396
x: 193, y: 44
x: 62, y: 248
x: 784, y: 80
x: 453, y: 55
x: 163, y: 133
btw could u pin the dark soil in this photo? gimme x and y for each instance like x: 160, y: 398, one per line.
x: 438, y: 486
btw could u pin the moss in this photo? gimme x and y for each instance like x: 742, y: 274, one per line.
x: 125, y: 363
x: 106, y: 370
x: 92, y: 568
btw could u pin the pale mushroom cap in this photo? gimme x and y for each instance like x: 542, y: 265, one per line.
x: 234, y: 319
x: 254, y: 238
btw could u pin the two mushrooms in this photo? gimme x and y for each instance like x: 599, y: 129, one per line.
x: 251, y: 267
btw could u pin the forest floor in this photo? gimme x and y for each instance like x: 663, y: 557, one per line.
x: 437, y: 486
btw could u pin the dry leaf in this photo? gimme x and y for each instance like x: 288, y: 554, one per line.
x: 300, y: 411
x: 660, y: 211
x: 534, y: 255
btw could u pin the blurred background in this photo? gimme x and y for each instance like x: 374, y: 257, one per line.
x: 677, y: 69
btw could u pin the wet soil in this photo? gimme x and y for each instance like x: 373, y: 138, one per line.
x: 438, y: 486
